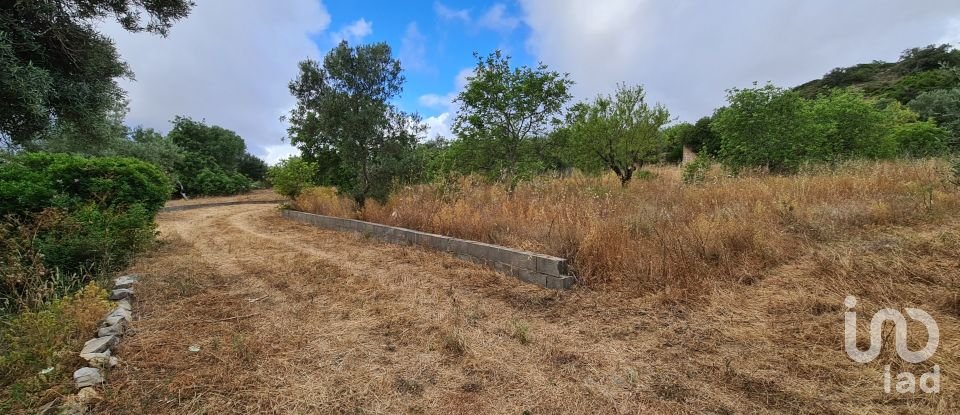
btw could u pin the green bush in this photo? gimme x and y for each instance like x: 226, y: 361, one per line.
x: 216, y: 182
x: 765, y: 127
x: 696, y: 171
x: 291, y: 176
x: 921, y: 139
x: 32, y: 182
x: 200, y: 175
x: 65, y: 219
x: 91, y: 240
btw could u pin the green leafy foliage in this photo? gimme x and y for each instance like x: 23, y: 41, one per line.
x: 502, y: 110
x: 620, y: 132
x: 917, y: 71
x: 344, y: 115
x: 31, y: 182
x: 777, y: 129
x: 921, y: 139
x: 66, y: 218
x: 92, y: 240
x: 696, y: 171
x: 943, y: 106
x: 252, y: 167
x: 765, y: 127
x: 848, y: 125
x: 291, y: 176
x: 58, y: 68
x: 223, y: 147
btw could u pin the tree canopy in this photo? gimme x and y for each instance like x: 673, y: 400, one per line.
x: 56, y: 68
x: 621, y: 132
x: 502, y: 109
x: 344, y: 116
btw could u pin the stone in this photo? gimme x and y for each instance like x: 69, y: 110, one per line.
x: 91, y: 356
x: 112, y: 330
x: 121, y: 294
x: 87, y: 376
x: 88, y: 395
x: 125, y: 281
x: 98, y: 345
x: 118, y: 315
x: 124, y: 304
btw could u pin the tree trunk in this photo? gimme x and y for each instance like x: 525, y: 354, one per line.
x: 625, y: 176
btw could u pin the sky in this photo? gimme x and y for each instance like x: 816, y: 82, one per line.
x: 230, y: 61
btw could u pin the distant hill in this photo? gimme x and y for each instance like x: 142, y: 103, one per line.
x: 917, y: 71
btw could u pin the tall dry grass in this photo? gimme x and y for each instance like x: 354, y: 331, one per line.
x: 659, y: 234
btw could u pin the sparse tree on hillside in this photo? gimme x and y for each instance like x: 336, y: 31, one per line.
x: 344, y: 114
x: 622, y: 131
x: 502, y: 109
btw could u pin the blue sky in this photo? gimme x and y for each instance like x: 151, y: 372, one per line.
x: 230, y: 61
x: 435, y: 41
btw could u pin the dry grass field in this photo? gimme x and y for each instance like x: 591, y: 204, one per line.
x: 723, y: 298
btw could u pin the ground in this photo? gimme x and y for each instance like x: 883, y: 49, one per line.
x: 293, y: 319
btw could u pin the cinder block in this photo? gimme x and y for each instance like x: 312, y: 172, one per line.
x: 560, y: 283
x: 552, y: 266
x: 531, y: 277
x: 520, y: 259
x: 501, y: 267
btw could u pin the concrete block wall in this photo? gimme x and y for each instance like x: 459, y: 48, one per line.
x: 544, y: 270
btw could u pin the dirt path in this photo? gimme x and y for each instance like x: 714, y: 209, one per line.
x: 293, y: 319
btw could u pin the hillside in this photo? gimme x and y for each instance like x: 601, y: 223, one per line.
x: 917, y: 71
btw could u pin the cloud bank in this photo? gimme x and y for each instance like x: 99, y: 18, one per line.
x: 229, y: 63
x: 688, y: 52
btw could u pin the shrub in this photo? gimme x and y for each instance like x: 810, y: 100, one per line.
x: 214, y: 182
x: 696, y: 171
x: 65, y: 219
x: 291, y: 176
x: 765, y: 127
x: 32, y: 182
x: 921, y: 139
x: 48, y: 337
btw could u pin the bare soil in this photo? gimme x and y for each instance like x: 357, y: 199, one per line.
x: 293, y: 319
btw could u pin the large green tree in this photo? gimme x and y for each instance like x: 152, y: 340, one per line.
x: 56, y: 68
x: 223, y: 146
x: 344, y: 115
x: 943, y: 106
x: 765, y: 127
x: 619, y: 131
x: 503, y: 109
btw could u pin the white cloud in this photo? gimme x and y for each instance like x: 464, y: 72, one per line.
x: 688, y: 52
x: 413, y: 50
x: 354, y: 32
x: 441, y: 123
x: 274, y: 153
x: 447, y: 13
x: 438, y: 125
x: 437, y: 101
x: 229, y: 63
x: 496, y: 19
